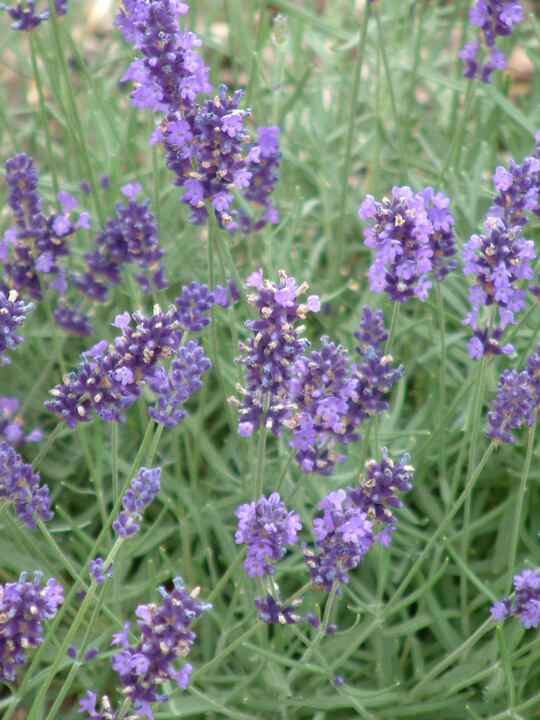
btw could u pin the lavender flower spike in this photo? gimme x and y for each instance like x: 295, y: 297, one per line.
x: 526, y: 603
x: 271, y: 352
x: 412, y: 235
x: 24, y: 605
x: 13, y: 313
x: 99, y: 575
x: 517, y: 402
x: 500, y: 259
x: 377, y: 492
x: 166, y: 635
x: 322, y: 390
x: 20, y: 484
x: 495, y: 18
x: 343, y: 536
x: 176, y: 387
x: 266, y: 527
x: 109, y: 378
x: 138, y: 497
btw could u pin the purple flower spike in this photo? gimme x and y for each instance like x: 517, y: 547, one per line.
x: 271, y: 352
x: 20, y: 484
x: 177, y: 386
x: 194, y: 304
x: 265, y: 526
x: 274, y: 612
x: 109, y: 378
x: 495, y: 18
x: 208, y: 148
x: 131, y: 236
x: 24, y: 605
x: 166, y: 635
x: 517, y: 402
x: 378, y: 489
x: 13, y: 313
x: 88, y: 705
x: 412, y: 236
x: 343, y: 536
x: 138, y: 497
x: 500, y: 259
x: 36, y: 242
x: 99, y: 575
x: 322, y: 390
x: 526, y: 603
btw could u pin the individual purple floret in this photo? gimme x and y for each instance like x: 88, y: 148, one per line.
x: 24, y: 15
x: 526, y: 603
x: 20, y: 485
x: 89, y: 655
x: 274, y: 612
x: 176, y: 387
x: 138, y: 497
x: 99, y: 575
x: 500, y: 260
x: 343, y: 535
x: 13, y: 313
x: 412, y: 235
x: 271, y: 352
x: 266, y: 527
x: 166, y: 635
x: 24, y: 605
x: 495, y: 18
x: 11, y: 425
x: 109, y: 378
x: 517, y: 402
x: 377, y: 493
x: 131, y: 236
x: 322, y: 390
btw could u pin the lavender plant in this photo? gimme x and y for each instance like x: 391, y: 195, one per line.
x: 337, y: 586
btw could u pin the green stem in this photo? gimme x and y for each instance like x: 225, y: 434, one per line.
x: 261, y: 446
x: 61, y: 58
x: 478, y: 400
x: 393, y: 325
x: 457, y: 140
x: 322, y: 631
x: 522, y: 491
x: 400, y: 144
x: 357, y: 70
x: 442, y: 398
x: 47, y: 445
x: 61, y: 694
x: 442, y: 527
x: 285, y: 468
x: 43, y: 112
